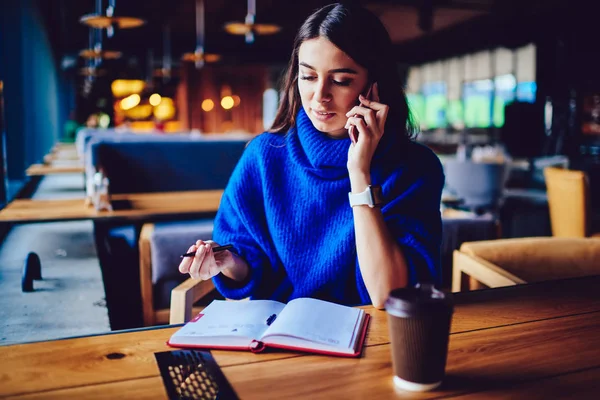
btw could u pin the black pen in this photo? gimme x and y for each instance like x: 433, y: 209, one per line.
x: 214, y: 249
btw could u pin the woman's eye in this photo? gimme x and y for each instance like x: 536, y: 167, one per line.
x: 343, y: 82
x: 307, y: 78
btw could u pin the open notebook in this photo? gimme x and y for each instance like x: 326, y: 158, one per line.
x: 303, y: 324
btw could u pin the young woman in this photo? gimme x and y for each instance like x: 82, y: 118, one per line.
x: 335, y: 201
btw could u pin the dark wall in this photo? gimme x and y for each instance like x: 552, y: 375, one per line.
x: 34, y: 95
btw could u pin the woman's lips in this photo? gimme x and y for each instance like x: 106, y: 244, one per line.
x: 322, y: 116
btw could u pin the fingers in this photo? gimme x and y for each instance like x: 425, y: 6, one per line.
x: 369, y: 115
x: 382, y: 110
x: 375, y: 92
x: 352, y: 131
x: 358, y: 123
x: 372, y: 104
x: 197, y: 261
x: 208, y: 264
x: 186, y: 263
x: 212, y: 268
x: 203, y: 265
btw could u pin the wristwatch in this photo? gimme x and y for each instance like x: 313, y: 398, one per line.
x: 371, y: 197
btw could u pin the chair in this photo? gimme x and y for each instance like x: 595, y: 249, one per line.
x: 160, y: 245
x: 478, y: 184
x: 569, y: 202
x: 507, y: 262
x: 459, y: 227
x: 182, y: 299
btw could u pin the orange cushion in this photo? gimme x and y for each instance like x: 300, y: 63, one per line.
x: 538, y: 259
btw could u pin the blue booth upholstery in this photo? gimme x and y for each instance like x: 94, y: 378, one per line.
x: 144, y: 166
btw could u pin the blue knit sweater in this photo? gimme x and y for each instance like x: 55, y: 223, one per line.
x: 286, y: 212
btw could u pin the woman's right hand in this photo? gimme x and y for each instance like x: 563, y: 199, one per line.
x: 206, y: 263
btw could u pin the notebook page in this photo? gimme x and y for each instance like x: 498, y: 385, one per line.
x: 318, y: 321
x: 232, y: 318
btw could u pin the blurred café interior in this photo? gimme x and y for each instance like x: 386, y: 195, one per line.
x: 124, y: 101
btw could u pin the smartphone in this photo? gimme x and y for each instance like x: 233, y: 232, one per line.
x: 353, y: 131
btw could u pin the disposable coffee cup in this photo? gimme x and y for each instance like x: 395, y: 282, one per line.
x: 419, y: 323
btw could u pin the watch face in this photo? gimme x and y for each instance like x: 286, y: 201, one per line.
x: 376, y: 195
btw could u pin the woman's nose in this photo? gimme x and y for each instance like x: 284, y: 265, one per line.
x: 322, y: 93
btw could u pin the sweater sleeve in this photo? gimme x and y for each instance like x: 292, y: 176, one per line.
x: 412, y: 215
x: 240, y: 221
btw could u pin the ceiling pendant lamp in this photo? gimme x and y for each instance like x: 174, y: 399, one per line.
x: 91, y: 72
x: 198, y: 57
x: 94, y: 52
x: 249, y: 28
x: 109, y: 20
x: 166, y: 71
x: 99, y: 53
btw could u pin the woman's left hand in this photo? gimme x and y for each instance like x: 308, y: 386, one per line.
x: 369, y: 119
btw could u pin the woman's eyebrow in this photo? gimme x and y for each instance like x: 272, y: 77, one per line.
x: 337, y: 70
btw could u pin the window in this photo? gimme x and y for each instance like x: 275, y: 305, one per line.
x: 477, y: 97
x: 505, y: 94
x: 435, y: 101
x: 478, y: 100
x: 526, y: 91
x: 416, y: 104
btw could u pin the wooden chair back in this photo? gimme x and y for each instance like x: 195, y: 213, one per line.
x: 568, y: 200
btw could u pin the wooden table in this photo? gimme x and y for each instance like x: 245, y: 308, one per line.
x: 63, y: 159
x: 141, y: 206
x: 49, y: 169
x: 531, y: 341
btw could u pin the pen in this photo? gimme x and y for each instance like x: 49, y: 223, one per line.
x: 214, y: 249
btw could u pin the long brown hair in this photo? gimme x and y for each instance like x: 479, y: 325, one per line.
x: 360, y: 34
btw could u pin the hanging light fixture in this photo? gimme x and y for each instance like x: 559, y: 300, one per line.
x: 149, y: 70
x: 249, y: 28
x: 198, y: 57
x: 110, y: 20
x: 99, y: 53
x: 91, y: 72
x: 166, y: 72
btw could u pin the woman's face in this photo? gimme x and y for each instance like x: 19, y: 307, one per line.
x: 329, y: 82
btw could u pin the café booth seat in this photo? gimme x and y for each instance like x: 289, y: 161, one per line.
x: 506, y: 262
x: 91, y: 138
x: 150, y: 167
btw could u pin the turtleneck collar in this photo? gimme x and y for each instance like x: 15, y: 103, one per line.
x: 327, y: 157
x: 322, y: 155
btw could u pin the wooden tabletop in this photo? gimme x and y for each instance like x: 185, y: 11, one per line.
x: 49, y: 169
x: 140, y: 206
x: 540, y: 340
x: 63, y: 159
x: 143, y: 205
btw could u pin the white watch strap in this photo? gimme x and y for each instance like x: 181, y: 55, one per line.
x: 370, y: 197
x: 360, y: 199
